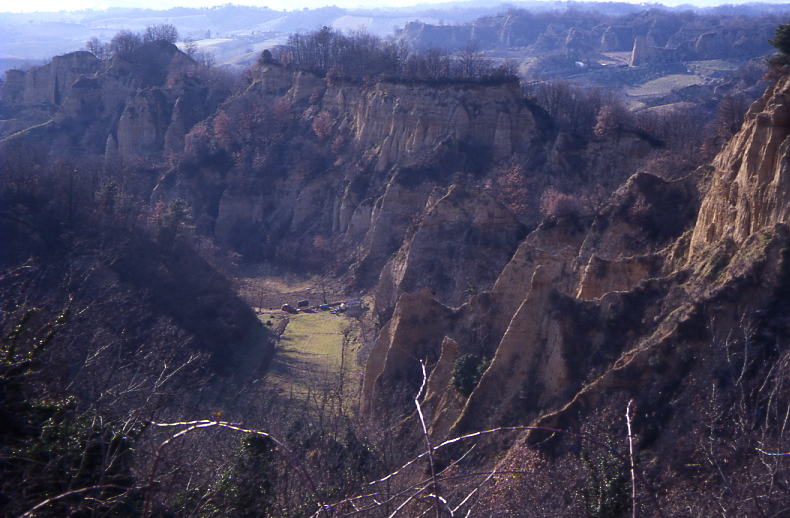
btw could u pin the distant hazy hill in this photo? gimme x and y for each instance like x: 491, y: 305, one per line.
x: 233, y: 33
x: 36, y: 36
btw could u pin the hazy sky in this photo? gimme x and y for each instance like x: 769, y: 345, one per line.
x: 71, y: 5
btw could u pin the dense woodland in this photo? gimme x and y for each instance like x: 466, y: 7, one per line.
x: 127, y: 352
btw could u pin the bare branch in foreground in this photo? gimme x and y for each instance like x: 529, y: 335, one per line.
x: 194, y: 425
x: 631, y: 457
x: 437, y: 497
x: 30, y: 513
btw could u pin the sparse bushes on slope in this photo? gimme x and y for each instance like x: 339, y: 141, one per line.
x: 149, y: 330
x: 611, y: 119
x: 247, y: 487
x: 555, y: 204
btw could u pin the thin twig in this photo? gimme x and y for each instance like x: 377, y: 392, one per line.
x: 193, y: 425
x: 475, y: 490
x: 631, y: 457
x: 773, y: 454
x: 428, y: 440
x: 32, y: 511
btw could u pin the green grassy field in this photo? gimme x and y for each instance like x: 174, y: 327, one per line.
x: 308, y: 356
x: 664, y: 85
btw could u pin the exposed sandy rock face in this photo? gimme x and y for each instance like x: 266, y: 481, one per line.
x: 298, y: 166
x: 482, y: 236
x: 394, y: 121
x: 529, y: 342
x: 143, y: 123
x: 643, y: 216
x: 645, y: 303
x: 586, y: 316
x: 274, y: 80
x: 390, y: 217
x: 442, y: 403
x: 13, y: 88
x: 625, y: 242
x: 358, y: 165
x: 751, y: 183
x: 553, y: 343
x: 601, y: 276
x: 415, y: 331
x: 552, y: 241
x: 671, y: 369
x: 122, y: 109
x: 540, y: 291
x: 478, y: 326
x: 34, y: 96
x: 677, y: 356
x: 52, y: 83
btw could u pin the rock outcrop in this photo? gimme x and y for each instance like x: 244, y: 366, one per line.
x: 484, y: 237
x: 644, y: 54
x: 122, y: 108
x: 633, y: 305
x: 49, y: 84
x: 664, y: 35
x: 751, y: 179
x: 415, y: 331
x: 358, y: 164
x: 393, y: 121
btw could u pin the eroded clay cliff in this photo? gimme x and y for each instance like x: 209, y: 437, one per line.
x: 636, y: 304
x: 751, y: 182
x: 121, y: 109
x: 345, y: 169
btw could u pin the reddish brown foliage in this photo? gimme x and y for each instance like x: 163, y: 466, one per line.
x: 512, y: 187
x: 322, y: 125
x: 555, y: 204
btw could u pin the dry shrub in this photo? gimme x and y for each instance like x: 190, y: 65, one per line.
x: 668, y: 165
x: 512, y: 189
x: 281, y: 108
x: 612, y: 118
x: 556, y: 204
x: 322, y: 125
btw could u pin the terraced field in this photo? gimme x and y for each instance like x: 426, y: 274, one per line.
x: 664, y: 85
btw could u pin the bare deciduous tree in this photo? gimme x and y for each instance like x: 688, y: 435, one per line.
x: 161, y: 32
x: 125, y: 43
x: 98, y: 48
